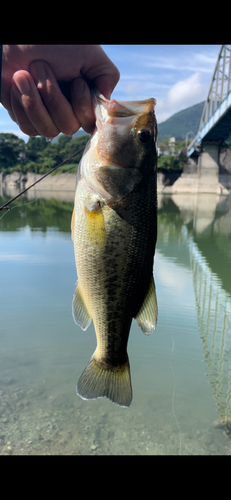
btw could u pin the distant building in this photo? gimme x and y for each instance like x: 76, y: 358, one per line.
x: 170, y: 148
x: 172, y: 145
x: 162, y: 149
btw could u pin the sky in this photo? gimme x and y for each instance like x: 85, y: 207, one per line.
x: 177, y: 76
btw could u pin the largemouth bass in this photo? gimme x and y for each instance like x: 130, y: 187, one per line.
x: 114, y: 230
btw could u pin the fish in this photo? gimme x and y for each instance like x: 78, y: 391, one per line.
x: 114, y: 231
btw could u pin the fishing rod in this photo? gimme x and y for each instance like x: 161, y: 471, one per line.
x: 36, y: 182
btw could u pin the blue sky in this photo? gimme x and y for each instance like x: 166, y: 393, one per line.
x: 178, y: 76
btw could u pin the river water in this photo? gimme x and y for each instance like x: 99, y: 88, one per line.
x: 181, y: 374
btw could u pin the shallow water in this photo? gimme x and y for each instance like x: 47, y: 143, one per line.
x: 181, y: 374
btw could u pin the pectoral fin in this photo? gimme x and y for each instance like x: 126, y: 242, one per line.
x: 80, y: 313
x: 147, y: 315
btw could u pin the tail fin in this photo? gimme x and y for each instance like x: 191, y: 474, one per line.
x: 98, y: 381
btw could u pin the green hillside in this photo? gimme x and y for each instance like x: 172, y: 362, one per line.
x: 38, y: 155
x: 180, y: 123
x: 77, y: 134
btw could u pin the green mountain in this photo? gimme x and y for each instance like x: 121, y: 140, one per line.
x: 77, y: 134
x: 180, y: 123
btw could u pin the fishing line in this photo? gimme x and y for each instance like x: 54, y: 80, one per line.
x: 6, y: 205
x: 18, y: 206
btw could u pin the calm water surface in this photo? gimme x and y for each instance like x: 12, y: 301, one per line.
x: 181, y: 374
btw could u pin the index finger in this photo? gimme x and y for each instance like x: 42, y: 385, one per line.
x: 56, y: 103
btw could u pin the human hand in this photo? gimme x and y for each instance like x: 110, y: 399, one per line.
x: 32, y: 96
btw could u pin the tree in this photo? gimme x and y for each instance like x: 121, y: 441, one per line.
x: 38, y: 155
x: 12, y: 150
x: 62, y: 143
x: 34, y: 146
x: 169, y: 162
x: 46, y: 165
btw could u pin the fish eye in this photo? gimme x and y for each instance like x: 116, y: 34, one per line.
x: 144, y: 135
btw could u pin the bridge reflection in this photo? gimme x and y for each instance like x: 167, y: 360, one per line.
x: 207, y: 237
x: 214, y: 321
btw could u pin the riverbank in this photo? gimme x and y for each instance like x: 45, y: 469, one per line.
x: 168, y: 183
x: 58, y: 182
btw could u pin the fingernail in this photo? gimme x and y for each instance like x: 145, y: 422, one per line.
x: 39, y: 73
x: 79, y: 87
x: 23, y: 85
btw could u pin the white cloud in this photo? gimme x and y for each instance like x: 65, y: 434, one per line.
x: 161, y: 116
x: 186, y: 91
x: 167, y: 274
x: 183, y: 60
x: 181, y: 95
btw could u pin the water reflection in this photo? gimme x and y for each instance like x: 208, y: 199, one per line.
x: 214, y: 319
x: 194, y: 235
x: 38, y: 212
x: 207, y: 232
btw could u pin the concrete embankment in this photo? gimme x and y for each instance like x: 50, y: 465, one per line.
x: 166, y: 183
x: 56, y: 182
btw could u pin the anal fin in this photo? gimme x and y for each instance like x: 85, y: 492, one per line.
x: 80, y: 313
x: 147, y: 315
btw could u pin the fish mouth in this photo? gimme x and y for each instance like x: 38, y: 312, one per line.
x: 124, y: 114
x: 131, y: 108
x: 118, y: 124
x: 122, y: 109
